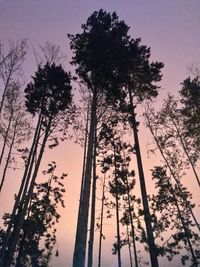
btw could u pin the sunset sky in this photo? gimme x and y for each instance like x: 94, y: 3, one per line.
x: 170, y: 27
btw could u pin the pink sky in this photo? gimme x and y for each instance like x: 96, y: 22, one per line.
x: 170, y: 28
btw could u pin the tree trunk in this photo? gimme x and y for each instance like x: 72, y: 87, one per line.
x: 101, y: 221
x: 20, y: 251
x: 186, y: 151
x: 8, y: 157
x: 92, y: 220
x: 172, y: 173
x: 194, y: 260
x: 132, y: 230
x: 22, y: 244
x: 117, y: 215
x: 130, y: 216
x: 84, y: 154
x: 5, y: 89
x: 147, y: 215
x: 81, y: 231
x: 84, y: 161
x: 36, y: 238
x: 22, y: 211
x: 129, y: 247
x: 28, y: 169
x: 5, y: 139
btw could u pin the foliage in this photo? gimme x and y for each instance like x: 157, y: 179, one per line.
x: 38, y: 234
x: 50, y: 91
x: 99, y: 52
x: 175, y: 218
x: 170, y: 134
x: 190, y: 98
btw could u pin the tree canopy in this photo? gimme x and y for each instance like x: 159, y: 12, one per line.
x: 50, y: 91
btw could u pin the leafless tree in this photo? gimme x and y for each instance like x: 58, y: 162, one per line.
x: 49, y: 53
x: 11, y: 64
x: 15, y: 126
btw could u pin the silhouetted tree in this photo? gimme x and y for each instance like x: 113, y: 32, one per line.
x: 100, y: 225
x: 194, y: 69
x: 107, y: 61
x: 98, y: 57
x: 93, y: 206
x: 15, y: 127
x: 115, y: 160
x: 161, y: 126
x: 40, y: 223
x: 190, y: 95
x: 129, y: 200
x: 49, y: 53
x: 169, y: 124
x: 11, y: 64
x: 140, y: 85
x: 49, y: 96
x: 175, y: 217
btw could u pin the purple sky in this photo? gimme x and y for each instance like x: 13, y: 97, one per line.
x: 170, y: 28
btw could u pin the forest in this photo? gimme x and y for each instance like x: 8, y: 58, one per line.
x: 99, y: 107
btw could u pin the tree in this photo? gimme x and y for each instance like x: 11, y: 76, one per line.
x: 175, y: 217
x: 49, y: 53
x: 108, y: 60
x: 11, y: 64
x: 15, y: 126
x: 48, y: 96
x: 141, y: 76
x: 165, y: 136
x: 98, y: 57
x: 129, y: 201
x: 116, y: 159
x: 169, y: 126
x: 40, y: 223
x: 100, y: 225
x: 190, y: 95
x: 93, y: 206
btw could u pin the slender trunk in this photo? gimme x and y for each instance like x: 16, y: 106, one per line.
x: 84, y: 160
x: 20, y: 253
x: 194, y: 260
x: 81, y: 231
x: 172, y: 173
x: 22, y: 212
x: 92, y: 220
x: 132, y: 230
x: 5, y: 139
x: 117, y: 214
x: 118, y: 232
x: 3, y: 59
x: 101, y: 221
x: 186, y: 152
x: 18, y: 199
x: 36, y: 238
x: 129, y: 246
x: 5, y: 89
x: 83, y: 167
x: 130, y: 216
x: 22, y: 244
x: 8, y: 157
x: 184, y: 226
x: 147, y: 215
x: 30, y: 166
x: 84, y: 155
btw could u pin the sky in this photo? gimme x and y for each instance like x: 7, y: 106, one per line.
x: 169, y: 27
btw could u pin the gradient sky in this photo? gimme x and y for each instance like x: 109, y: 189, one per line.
x: 169, y: 27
